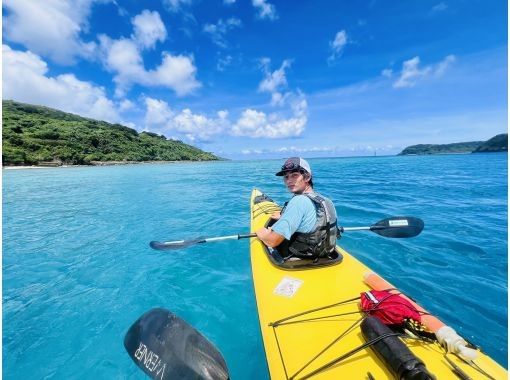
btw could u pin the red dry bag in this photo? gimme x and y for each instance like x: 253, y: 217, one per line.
x: 390, y: 308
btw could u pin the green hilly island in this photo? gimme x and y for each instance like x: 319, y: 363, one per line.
x: 497, y: 143
x: 35, y: 135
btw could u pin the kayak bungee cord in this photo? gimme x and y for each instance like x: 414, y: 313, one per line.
x: 276, y: 323
x: 347, y: 355
x: 266, y: 210
x: 475, y: 366
x: 344, y: 333
x: 282, y: 322
x: 317, y: 318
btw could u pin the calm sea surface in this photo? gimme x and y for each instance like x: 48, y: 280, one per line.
x: 78, y: 270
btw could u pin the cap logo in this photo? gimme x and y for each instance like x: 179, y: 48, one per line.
x: 289, y: 165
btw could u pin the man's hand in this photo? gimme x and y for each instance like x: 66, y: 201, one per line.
x: 276, y: 215
x: 269, y: 237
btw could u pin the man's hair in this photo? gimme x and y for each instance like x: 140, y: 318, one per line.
x: 307, y: 175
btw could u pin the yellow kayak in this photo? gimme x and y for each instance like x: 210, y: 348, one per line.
x: 310, y: 319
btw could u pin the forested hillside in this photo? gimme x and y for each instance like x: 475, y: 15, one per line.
x: 34, y: 135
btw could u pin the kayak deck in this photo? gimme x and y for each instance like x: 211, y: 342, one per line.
x: 310, y: 318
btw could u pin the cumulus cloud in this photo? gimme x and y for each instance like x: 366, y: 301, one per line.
x: 49, y: 28
x: 265, y: 10
x: 25, y: 79
x: 126, y: 105
x: 157, y: 112
x: 411, y: 72
x: 199, y: 127
x: 337, y: 45
x: 194, y: 126
x: 124, y: 57
x: 148, y: 29
x: 218, y: 31
x: 253, y: 123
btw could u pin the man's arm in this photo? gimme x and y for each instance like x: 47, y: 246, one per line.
x: 269, y: 237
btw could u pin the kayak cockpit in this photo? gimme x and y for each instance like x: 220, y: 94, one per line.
x: 299, y: 264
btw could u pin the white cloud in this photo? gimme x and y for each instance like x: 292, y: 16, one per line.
x: 194, y: 126
x: 265, y: 9
x: 123, y: 57
x: 199, y: 127
x: 126, y: 105
x: 223, y: 62
x: 253, y: 123
x: 176, y: 5
x: 411, y: 73
x: 148, y: 29
x: 229, y: 2
x: 444, y: 64
x: 176, y: 72
x: 25, y: 80
x: 275, y: 80
x: 218, y: 31
x: 337, y: 45
x: 49, y: 28
x: 157, y: 112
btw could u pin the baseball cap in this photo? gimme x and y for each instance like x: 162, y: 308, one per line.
x: 294, y: 163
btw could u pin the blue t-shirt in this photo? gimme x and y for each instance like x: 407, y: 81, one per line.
x: 298, y: 216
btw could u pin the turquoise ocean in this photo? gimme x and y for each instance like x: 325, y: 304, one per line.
x: 78, y: 270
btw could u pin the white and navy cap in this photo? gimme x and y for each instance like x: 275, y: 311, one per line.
x: 294, y: 163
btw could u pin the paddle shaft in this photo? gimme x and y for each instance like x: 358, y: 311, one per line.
x: 365, y: 228
x: 230, y: 237
x: 343, y: 229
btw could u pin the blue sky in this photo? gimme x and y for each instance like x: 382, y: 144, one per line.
x: 264, y: 78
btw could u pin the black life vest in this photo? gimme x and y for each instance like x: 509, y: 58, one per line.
x: 321, y: 242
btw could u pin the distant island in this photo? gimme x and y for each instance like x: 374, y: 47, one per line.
x: 498, y: 143
x: 36, y: 135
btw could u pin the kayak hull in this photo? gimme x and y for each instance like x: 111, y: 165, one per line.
x: 304, y: 335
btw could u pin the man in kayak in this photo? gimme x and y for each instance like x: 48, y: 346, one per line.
x: 307, y: 226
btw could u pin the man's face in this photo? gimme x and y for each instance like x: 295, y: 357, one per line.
x: 295, y: 182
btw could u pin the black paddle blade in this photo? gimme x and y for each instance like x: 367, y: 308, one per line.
x: 398, y: 227
x: 166, y: 347
x: 179, y: 244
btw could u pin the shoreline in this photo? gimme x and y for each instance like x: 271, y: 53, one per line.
x: 99, y: 164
